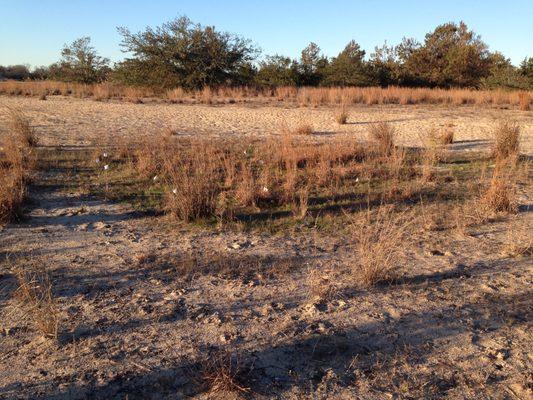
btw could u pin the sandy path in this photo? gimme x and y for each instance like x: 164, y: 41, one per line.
x: 76, y: 122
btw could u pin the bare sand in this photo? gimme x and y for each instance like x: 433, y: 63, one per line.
x: 79, y: 122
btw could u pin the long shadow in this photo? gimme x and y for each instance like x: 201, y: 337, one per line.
x: 384, y: 120
x: 306, y: 358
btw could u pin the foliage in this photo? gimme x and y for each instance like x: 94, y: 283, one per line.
x: 181, y: 53
x: 80, y: 63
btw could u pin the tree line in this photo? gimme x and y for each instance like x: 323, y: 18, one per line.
x: 184, y: 54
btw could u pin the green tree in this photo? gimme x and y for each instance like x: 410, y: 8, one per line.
x: 181, y: 53
x: 451, y: 55
x: 311, y: 66
x: 348, y: 68
x: 277, y: 71
x: 503, y: 74
x: 80, y: 63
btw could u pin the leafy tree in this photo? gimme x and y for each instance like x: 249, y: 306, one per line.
x: 80, y: 63
x: 181, y: 53
x: 277, y: 71
x: 451, y: 55
x: 348, y: 68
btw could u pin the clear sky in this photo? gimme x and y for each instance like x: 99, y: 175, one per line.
x: 33, y: 31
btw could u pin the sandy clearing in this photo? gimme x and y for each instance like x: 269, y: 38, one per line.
x: 79, y: 122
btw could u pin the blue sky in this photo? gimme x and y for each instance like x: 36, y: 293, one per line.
x: 33, y: 31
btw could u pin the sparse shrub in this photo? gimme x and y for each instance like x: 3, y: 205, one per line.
x: 506, y: 140
x: 35, y: 292
x: 383, y: 136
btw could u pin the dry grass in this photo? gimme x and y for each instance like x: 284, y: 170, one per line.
x: 501, y: 193
x: 303, y: 129
x: 16, y: 159
x: 305, y: 96
x: 321, y: 285
x: 20, y: 127
x: 383, y: 135
x: 380, y: 240
x: 341, y: 117
x: 524, y: 101
x: 519, y: 242
x: 224, y: 373
x: 506, y: 140
x: 35, y: 292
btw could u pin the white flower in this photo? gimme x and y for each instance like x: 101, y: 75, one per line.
x: 265, y: 189
x: 105, y: 155
x: 97, y: 160
x: 356, y: 179
x: 155, y: 178
x: 175, y: 191
x: 106, y: 167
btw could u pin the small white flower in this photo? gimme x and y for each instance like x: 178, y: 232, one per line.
x: 175, y: 191
x: 155, y: 178
x: 106, y: 167
x: 356, y: 179
x: 105, y: 155
x: 265, y: 189
x: 97, y: 160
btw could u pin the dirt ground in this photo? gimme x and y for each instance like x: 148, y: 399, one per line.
x: 457, y: 325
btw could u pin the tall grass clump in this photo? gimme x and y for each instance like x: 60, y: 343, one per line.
x: 35, y: 293
x: 380, y: 238
x: 524, y: 101
x: 383, y: 135
x: 501, y: 193
x: 506, y: 140
x: 195, y: 179
x: 341, y: 117
x: 16, y: 159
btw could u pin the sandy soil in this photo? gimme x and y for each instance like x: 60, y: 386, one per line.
x: 77, y: 122
x: 458, y: 325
